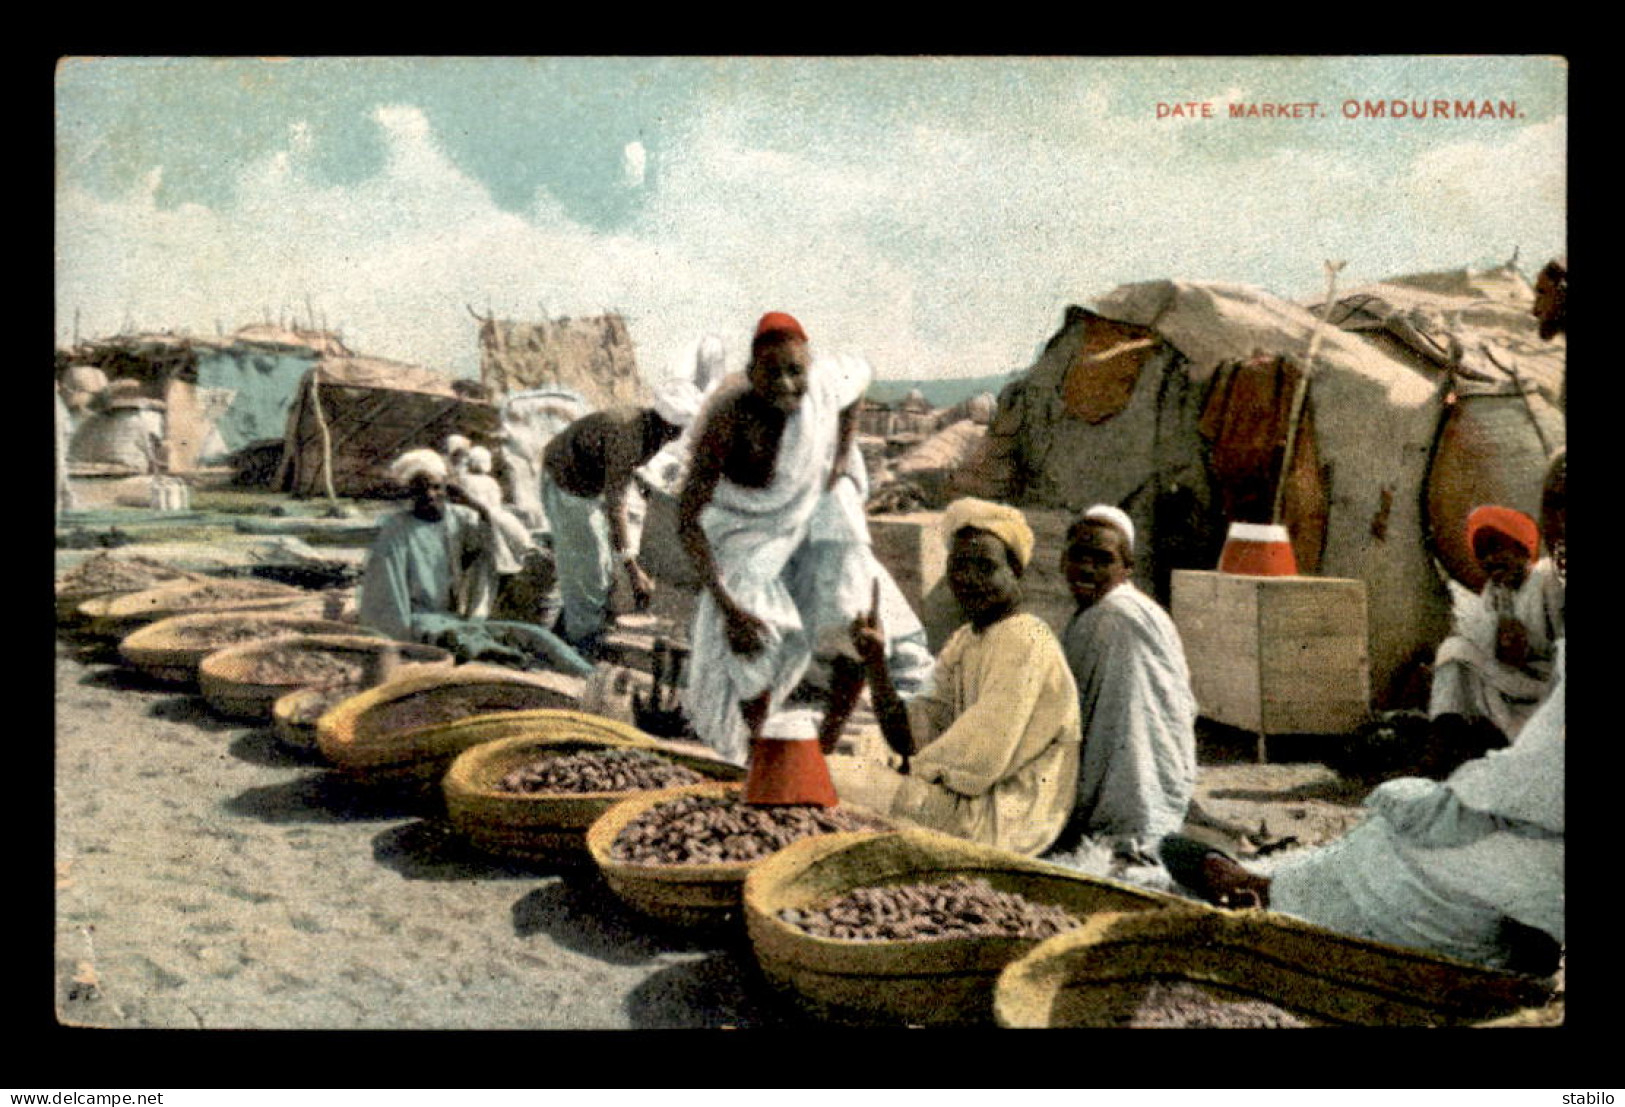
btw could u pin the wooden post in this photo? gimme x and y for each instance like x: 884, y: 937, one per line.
x: 1301, y: 392
x: 327, y: 441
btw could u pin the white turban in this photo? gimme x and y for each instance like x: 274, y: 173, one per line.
x: 479, y: 460
x: 456, y: 443
x: 1009, y: 524
x: 404, y: 468
x: 1116, y: 517
x: 677, y: 401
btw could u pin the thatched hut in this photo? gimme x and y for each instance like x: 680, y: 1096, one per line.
x: 363, y: 412
x: 591, y: 356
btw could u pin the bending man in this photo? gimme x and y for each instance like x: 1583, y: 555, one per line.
x: 764, y: 455
x: 587, y: 474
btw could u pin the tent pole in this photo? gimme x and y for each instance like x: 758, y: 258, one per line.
x: 1301, y: 392
x: 327, y: 441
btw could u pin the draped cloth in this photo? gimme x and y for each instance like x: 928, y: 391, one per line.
x: 511, y: 537
x: 1469, y: 680
x: 1000, y: 723
x: 586, y: 560
x: 1441, y: 865
x: 831, y: 578
x: 753, y: 534
x: 417, y: 567
x: 1138, y: 717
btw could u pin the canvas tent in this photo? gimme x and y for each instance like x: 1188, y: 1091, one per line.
x: 1113, y: 412
x: 373, y: 411
x: 205, y: 396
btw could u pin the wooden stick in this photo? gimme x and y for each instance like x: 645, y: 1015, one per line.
x: 1301, y: 392
x: 327, y: 441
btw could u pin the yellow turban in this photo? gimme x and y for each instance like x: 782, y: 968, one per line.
x: 1000, y: 519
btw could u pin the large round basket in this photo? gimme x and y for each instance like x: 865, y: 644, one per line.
x: 235, y: 686
x: 420, y: 723
x: 1100, y: 974
x: 171, y: 649
x: 105, y: 575
x: 121, y: 614
x: 905, y: 983
x: 545, y: 826
x: 699, y: 896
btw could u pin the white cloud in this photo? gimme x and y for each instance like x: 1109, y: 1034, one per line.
x: 634, y: 162
x: 938, y: 250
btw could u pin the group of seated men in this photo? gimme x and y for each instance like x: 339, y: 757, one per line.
x: 1009, y: 736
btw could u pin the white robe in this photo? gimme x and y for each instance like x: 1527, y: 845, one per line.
x: 415, y: 567
x: 1138, y: 770
x: 1468, y: 679
x: 511, y: 538
x: 1439, y: 865
x: 753, y: 534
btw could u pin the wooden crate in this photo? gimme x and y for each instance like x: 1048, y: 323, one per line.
x: 1276, y: 655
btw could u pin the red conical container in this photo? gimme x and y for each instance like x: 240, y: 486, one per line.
x: 788, y: 771
x: 1258, y: 550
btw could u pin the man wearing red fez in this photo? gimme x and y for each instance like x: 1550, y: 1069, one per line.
x: 1496, y: 666
x: 766, y: 492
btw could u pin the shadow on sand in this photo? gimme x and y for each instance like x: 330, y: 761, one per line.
x: 581, y: 913
x: 262, y: 747
x: 724, y: 990
x: 331, y: 797
x: 429, y: 849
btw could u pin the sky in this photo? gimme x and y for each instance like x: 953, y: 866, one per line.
x: 937, y: 214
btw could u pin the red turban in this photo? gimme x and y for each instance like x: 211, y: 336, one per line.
x: 1504, y: 520
x: 778, y: 323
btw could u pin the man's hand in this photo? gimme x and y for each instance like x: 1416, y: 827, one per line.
x: 643, y: 586
x: 1512, y: 643
x: 747, y: 635
x: 868, y: 635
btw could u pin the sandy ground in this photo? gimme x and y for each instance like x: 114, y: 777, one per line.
x: 207, y: 876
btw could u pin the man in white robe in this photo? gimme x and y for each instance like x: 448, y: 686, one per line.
x: 1496, y: 666
x: 1470, y: 867
x: 765, y: 450
x: 431, y: 559
x: 1137, y: 711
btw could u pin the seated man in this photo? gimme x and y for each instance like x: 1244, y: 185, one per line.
x: 990, y: 751
x: 587, y: 474
x: 1470, y: 867
x: 1137, y: 711
x: 1496, y: 666
x: 432, y: 559
x: 430, y: 575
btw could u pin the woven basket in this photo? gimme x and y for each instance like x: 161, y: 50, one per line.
x: 901, y: 983
x: 700, y: 896
x: 288, y: 716
x: 172, y: 649
x: 423, y: 720
x: 71, y: 591
x: 121, y: 614
x: 226, y: 680
x: 1095, y: 975
x: 543, y: 826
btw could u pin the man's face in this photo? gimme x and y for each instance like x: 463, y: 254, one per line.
x: 778, y: 373
x: 1093, y: 561
x: 980, y: 576
x: 428, y: 497
x: 1503, y: 560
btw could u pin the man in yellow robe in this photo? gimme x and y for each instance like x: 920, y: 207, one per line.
x: 989, y: 751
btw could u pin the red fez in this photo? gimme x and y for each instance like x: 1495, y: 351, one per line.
x: 1504, y: 520
x: 777, y: 323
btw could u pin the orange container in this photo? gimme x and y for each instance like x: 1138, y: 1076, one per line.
x: 789, y: 770
x: 1258, y: 550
